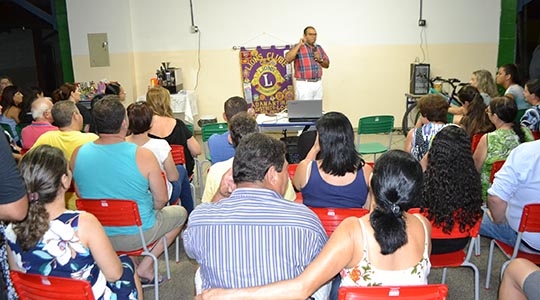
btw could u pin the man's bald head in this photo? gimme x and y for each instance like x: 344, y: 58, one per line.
x: 41, y: 109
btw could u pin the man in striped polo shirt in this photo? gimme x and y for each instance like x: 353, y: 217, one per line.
x: 254, y: 236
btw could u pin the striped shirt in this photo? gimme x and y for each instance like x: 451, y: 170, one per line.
x: 305, y: 66
x: 253, y: 238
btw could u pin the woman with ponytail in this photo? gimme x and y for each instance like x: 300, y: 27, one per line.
x: 387, y: 247
x: 55, y: 241
x: 496, y: 145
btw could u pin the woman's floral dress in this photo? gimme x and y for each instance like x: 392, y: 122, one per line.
x: 60, y: 253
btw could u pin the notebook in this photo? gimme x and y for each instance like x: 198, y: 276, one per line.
x: 304, y: 110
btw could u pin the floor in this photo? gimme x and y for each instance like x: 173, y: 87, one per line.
x: 460, y: 281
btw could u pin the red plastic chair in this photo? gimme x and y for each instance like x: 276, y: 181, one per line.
x: 460, y: 258
x: 292, y: 169
x: 530, y: 222
x: 495, y: 168
x: 120, y: 212
x: 40, y: 287
x: 332, y: 217
x: 412, y: 292
x: 475, y: 140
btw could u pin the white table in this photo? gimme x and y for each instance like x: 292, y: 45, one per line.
x: 280, y: 121
x: 183, y: 102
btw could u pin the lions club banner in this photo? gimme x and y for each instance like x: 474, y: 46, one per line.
x: 266, y: 78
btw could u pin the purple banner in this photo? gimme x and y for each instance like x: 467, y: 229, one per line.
x: 266, y: 79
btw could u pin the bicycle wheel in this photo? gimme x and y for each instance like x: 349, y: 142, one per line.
x: 411, y: 116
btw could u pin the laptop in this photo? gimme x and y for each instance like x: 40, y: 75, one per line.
x: 304, y: 110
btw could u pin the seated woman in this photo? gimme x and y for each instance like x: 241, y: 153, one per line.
x: 433, y: 110
x: 71, y: 92
x: 333, y: 174
x: 452, y: 189
x: 497, y: 145
x: 484, y: 82
x: 387, y: 247
x: 531, y: 118
x: 140, y: 121
x: 115, y: 88
x: 12, y: 97
x: 174, y: 131
x: 59, y: 242
x: 508, y: 77
x: 475, y: 120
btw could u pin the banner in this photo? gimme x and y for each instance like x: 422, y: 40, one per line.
x: 266, y: 79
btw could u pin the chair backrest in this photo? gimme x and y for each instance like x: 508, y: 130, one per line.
x: 178, y: 154
x: 190, y: 127
x: 519, y: 114
x: 475, y: 140
x: 332, y: 217
x: 416, y: 292
x: 494, y: 169
x: 530, y: 218
x: 375, y: 124
x: 208, y: 129
x: 7, y: 128
x: 112, y: 212
x: 437, y: 231
x: 292, y: 170
x: 40, y: 287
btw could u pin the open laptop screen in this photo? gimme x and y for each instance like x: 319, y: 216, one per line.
x: 304, y: 110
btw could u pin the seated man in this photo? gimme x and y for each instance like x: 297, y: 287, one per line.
x: 70, y: 123
x: 110, y: 167
x: 68, y: 137
x: 254, y: 237
x: 220, y: 145
x: 41, y: 112
x: 521, y: 280
x: 240, y: 126
x: 516, y: 184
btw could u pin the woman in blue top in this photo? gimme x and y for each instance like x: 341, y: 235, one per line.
x: 54, y: 241
x: 333, y: 174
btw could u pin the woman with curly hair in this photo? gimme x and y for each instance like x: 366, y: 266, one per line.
x: 497, y: 145
x: 59, y: 242
x: 333, y: 174
x: 475, y: 119
x: 484, y: 82
x: 452, y: 193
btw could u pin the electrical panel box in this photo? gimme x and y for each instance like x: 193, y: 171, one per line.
x: 98, y: 48
x: 419, y: 79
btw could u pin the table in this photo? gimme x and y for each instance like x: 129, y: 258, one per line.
x: 183, y: 102
x: 281, y: 121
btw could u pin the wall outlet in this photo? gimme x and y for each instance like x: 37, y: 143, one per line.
x: 194, y: 29
x: 421, y: 22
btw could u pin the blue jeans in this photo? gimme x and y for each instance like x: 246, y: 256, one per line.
x: 502, y: 232
x: 182, y: 189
